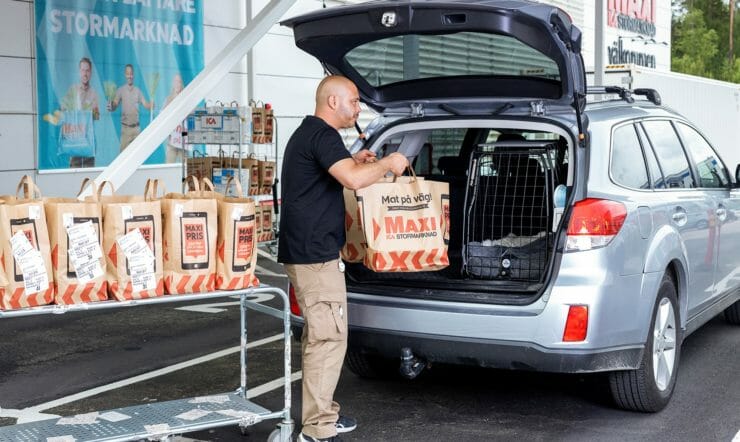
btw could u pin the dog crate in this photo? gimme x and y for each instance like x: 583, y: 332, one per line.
x: 508, y: 214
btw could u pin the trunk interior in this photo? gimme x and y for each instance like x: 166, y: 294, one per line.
x: 507, y: 192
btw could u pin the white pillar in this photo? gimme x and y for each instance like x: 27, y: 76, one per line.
x: 599, y: 32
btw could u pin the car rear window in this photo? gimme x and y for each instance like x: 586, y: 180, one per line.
x: 627, y: 164
x: 670, y: 154
x: 412, y: 57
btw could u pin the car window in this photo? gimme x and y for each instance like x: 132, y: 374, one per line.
x: 655, y: 173
x: 412, y: 57
x: 712, y: 172
x: 671, y: 155
x: 627, y: 165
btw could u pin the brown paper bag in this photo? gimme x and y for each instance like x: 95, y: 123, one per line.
x: 405, y: 225
x: 266, y: 221
x: 250, y: 168
x: 190, y: 228
x: 202, y: 167
x: 30, y: 282
x: 70, y: 286
x: 122, y: 215
x: 258, y: 123
x: 258, y: 224
x: 236, y: 252
x: 267, y: 131
x: 266, y: 177
x: 355, y: 246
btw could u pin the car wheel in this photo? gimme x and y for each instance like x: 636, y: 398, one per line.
x: 732, y: 313
x: 370, y: 366
x: 650, y: 386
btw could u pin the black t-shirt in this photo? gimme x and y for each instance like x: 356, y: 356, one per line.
x: 312, y: 217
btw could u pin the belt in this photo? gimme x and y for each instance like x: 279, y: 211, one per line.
x: 129, y: 125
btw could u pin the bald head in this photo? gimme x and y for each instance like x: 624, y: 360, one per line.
x: 337, y: 101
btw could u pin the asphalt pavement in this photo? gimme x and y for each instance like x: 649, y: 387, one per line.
x: 149, y: 354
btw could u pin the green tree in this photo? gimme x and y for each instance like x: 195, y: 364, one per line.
x: 686, y: 55
x: 695, y: 47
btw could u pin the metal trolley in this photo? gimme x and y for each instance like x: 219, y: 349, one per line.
x: 159, y: 421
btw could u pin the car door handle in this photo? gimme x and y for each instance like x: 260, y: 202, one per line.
x: 680, y: 218
x: 722, y: 214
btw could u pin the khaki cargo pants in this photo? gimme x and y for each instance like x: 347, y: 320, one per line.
x: 322, y: 296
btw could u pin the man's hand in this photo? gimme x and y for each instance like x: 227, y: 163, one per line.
x: 364, y: 156
x: 398, y: 163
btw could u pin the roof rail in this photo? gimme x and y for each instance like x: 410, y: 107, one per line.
x: 625, y: 94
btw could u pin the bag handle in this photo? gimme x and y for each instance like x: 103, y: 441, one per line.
x: 102, y: 186
x: 151, y: 189
x: 237, y: 184
x: 93, y: 188
x: 206, y: 185
x: 192, y: 180
x: 412, y: 173
x: 30, y: 189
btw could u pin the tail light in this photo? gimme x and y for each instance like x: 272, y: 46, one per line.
x: 294, y: 307
x: 576, y: 326
x: 594, y: 223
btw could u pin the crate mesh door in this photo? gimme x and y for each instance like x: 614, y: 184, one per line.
x: 507, y: 223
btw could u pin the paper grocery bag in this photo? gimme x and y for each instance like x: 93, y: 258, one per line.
x: 258, y: 224
x: 258, y: 123
x: 355, y: 245
x: 190, y: 228
x: 202, y: 166
x: 76, y: 239
x: 26, y: 279
x: 236, y: 251
x: 268, y: 125
x: 266, y: 177
x: 405, y: 226
x: 265, y: 220
x: 123, y: 217
x: 250, y: 168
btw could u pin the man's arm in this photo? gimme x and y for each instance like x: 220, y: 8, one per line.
x: 353, y: 175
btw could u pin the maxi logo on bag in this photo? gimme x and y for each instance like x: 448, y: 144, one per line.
x: 403, y: 227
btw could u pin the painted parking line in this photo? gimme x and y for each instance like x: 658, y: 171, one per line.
x: 264, y: 254
x: 261, y: 270
x: 215, y: 307
x: 33, y: 413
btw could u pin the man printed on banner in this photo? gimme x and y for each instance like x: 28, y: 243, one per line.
x: 82, y: 96
x: 174, y: 153
x: 129, y: 97
x: 316, y: 167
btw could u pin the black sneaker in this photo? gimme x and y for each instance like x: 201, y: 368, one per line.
x: 345, y: 424
x: 304, y: 438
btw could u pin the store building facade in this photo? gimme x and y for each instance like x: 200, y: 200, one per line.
x: 637, y: 32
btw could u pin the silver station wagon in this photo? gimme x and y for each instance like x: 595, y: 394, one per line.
x: 584, y: 237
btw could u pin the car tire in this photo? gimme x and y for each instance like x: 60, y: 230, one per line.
x: 732, y: 313
x: 648, y: 389
x: 370, y: 366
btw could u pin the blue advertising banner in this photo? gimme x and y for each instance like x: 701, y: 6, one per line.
x: 105, y: 69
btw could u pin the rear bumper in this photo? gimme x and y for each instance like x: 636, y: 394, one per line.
x: 495, y: 354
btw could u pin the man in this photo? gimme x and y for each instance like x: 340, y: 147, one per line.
x: 82, y: 97
x: 175, y: 147
x: 315, y: 168
x: 131, y: 96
